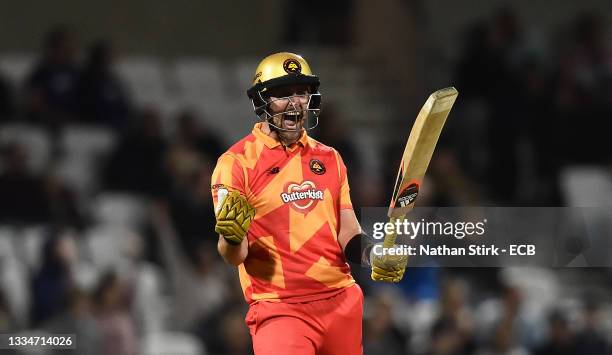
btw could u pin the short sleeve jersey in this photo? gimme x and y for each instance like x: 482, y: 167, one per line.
x: 297, y: 192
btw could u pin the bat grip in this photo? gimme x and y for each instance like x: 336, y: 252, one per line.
x: 389, y: 240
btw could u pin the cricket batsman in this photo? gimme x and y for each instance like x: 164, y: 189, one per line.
x: 285, y: 219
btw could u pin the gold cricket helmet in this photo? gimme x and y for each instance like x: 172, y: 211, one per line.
x: 281, y: 69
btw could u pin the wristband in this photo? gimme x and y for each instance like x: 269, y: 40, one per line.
x: 358, y: 249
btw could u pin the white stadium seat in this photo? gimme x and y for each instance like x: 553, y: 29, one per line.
x: 243, y: 71
x: 144, y: 78
x: 16, y: 67
x: 119, y: 209
x: 34, y: 140
x: 30, y: 242
x: 7, y: 249
x: 199, y: 76
x: 587, y: 186
x: 171, y: 343
x: 103, y: 245
x: 14, y: 285
x: 87, y: 141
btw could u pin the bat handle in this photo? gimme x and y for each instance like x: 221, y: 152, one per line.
x: 390, y: 238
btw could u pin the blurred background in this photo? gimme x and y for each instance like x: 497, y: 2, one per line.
x: 112, y: 116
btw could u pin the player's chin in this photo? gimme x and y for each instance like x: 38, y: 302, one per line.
x: 291, y: 135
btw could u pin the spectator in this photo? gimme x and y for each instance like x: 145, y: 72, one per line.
x: 21, y: 192
x: 7, y: 108
x: 54, y: 280
x: 117, y: 330
x: 27, y: 198
x: 453, y: 331
x: 381, y: 336
x: 6, y: 319
x: 508, y: 334
x: 77, y: 319
x: 561, y: 339
x: 61, y: 203
x: 51, y: 87
x: 583, y: 83
x: 197, y: 290
x: 331, y: 27
x: 137, y: 163
x: 190, y: 206
x: 220, y: 339
x: 591, y: 339
x: 234, y: 335
x: 334, y: 132
x: 102, y: 97
x: 193, y: 136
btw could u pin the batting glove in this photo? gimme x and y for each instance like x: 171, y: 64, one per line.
x: 234, y: 218
x: 388, y: 268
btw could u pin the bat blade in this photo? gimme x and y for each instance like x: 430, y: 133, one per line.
x: 419, y: 150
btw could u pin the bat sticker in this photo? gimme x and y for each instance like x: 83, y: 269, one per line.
x: 408, y: 195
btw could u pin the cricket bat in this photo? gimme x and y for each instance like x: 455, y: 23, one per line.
x: 417, y: 154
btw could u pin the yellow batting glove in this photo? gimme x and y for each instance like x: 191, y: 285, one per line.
x: 388, y: 268
x: 234, y: 217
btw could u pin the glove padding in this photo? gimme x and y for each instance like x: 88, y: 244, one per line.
x: 388, y: 268
x: 234, y: 218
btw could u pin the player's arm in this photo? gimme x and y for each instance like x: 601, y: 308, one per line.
x: 357, y: 247
x: 350, y: 234
x: 355, y: 244
x: 233, y: 213
x: 233, y: 254
x: 349, y: 227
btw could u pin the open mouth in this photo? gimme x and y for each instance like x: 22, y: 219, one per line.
x: 291, y: 120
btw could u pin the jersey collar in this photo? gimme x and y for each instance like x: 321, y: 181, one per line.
x: 271, y: 142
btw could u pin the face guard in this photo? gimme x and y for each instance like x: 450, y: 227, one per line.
x: 304, y: 109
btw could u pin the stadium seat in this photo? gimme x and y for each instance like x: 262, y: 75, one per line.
x: 589, y: 190
x: 83, y: 147
x: 118, y: 209
x: 144, y: 78
x: 421, y: 317
x: 79, y: 172
x: 30, y: 243
x: 243, y: 71
x: 150, y: 306
x: 16, y: 66
x: 202, y: 78
x: 171, y: 343
x: 87, y: 141
x: 14, y: 283
x: 104, y: 245
x: 7, y: 249
x: 34, y: 140
x: 86, y: 276
x: 202, y: 88
x: 539, y: 285
x: 587, y: 186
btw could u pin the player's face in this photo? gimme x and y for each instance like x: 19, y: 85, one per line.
x: 288, y: 105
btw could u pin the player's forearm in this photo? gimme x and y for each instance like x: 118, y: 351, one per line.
x: 233, y: 254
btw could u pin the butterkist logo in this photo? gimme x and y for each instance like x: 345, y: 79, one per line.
x: 302, y: 196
